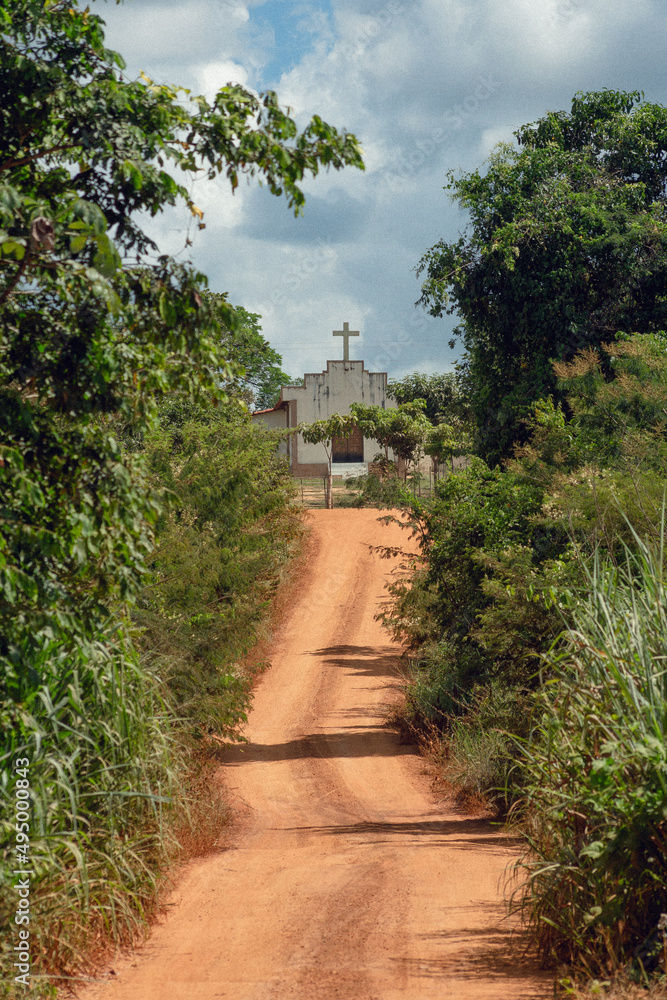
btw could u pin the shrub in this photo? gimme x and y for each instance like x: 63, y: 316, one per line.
x: 473, y: 562
x: 596, y: 763
x: 372, y: 490
x: 222, y: 543
x: 106, y: 716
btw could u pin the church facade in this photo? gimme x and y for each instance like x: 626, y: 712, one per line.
x: 320, y: 396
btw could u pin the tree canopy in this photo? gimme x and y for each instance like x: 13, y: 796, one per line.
x: 445, y: 393
x: 95, y: 324
x: 259, y: 377
x: 566, y: 247
x: 403, y: 428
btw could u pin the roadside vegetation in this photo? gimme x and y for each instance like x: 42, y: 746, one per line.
x: 144, y: 524
x: 535, y: 614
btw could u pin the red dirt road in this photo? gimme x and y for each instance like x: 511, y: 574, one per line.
x: 346, y: 879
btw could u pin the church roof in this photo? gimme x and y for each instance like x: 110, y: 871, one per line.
x: 279, y: 406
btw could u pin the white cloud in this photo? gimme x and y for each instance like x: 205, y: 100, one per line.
x: 427, y: 86
x: 214, y: 75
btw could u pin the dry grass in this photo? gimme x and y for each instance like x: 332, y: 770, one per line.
x: 620, y: 989
x: 438, y: 764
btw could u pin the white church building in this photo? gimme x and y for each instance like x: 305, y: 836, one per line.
x: 320, y: 396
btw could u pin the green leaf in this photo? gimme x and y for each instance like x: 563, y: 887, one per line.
x: 167, y: 310
x: 11, y: 248
x: 77, y: 243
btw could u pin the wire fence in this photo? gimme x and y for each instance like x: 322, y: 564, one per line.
x: 312, y: 490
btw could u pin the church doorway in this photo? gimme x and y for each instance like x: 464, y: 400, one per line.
x: 349, y: 449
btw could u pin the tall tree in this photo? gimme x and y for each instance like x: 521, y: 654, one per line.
x: 94, y: 323
x: 260, y: 376
x: 323, y: 432
x: 445, y: 394
x: 567, y: 246
x: 404, y: 428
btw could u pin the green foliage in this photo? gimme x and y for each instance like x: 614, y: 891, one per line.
x: 262, y: 377
x: 446, y: 440
x: 105, y: 791
x: 377, y: 489
x: 325, y: 430
x: 109, y: 734
x: 221, y: 546
x: 567, y: 729
x: 596, y: 786
x: 567, y: 245
x: 446, y: 399
x: 604, y: 467
x: 477, y: 568
x: 478, y: 752
x: 445, y: 395
x: 617, y: 395
x: 86, y: 334
x: 502, y: 548
x: 403, y: 428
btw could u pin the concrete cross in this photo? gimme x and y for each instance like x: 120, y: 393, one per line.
x: 346, y: 333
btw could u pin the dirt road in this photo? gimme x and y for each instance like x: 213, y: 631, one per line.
x: 347, y: 880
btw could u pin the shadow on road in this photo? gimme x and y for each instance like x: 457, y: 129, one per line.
x: 369, y: 661
x: 373, y: 741
x: 492, y: 952
x: 463, y: 834
x: 500, y: 960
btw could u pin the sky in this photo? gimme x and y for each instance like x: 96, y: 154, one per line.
x: 428, y: 87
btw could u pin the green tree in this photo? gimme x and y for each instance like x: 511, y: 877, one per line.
x: 262, y: 377
x: 220, y: 548
x: 567, y: 245
x: 323, y: 432
x: 94, y: 325
x: 98, y: 333
x: 403, y: 428
x: 445, y: 394
x: 446, y: 440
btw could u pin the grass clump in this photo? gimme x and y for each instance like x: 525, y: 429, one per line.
x: 623, y: 987
x: 106, y: 781
x: 381, y: 488
x: 230, y: 528
x: 596, y: 776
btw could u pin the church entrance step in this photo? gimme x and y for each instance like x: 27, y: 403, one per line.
x: 347, y: 469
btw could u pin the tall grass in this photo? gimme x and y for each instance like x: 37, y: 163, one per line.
x: 105, y: 786
x: 596, y: 773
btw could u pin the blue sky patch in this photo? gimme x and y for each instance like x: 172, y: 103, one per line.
x: 295, y: 28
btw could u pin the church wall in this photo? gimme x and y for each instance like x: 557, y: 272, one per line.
x: 275, y: 419
x: 329, y: 392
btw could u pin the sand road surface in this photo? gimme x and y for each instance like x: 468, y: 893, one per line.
x: 345, y: 878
